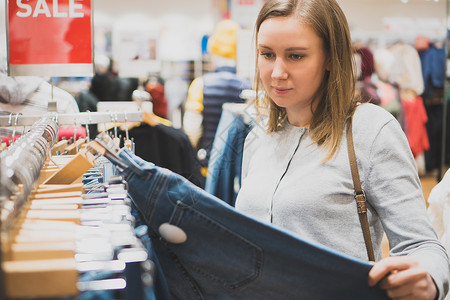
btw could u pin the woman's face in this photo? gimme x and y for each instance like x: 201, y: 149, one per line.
x: 292, y: 63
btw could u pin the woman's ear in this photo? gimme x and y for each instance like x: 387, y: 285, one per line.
x: 328, y: 65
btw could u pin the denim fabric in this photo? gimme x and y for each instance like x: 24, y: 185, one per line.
x: 159, y: 290
x: 228, y: 255
x: 224, y: 168
x: 223, y: 129
x: 219, y: 87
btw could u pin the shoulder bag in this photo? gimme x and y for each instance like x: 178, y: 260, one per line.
x: 360, y: 196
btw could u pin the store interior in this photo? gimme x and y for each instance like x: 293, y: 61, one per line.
x: 181, y: 25
x: 163, y: 43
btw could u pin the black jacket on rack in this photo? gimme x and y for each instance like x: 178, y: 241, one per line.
x: 167, y: 147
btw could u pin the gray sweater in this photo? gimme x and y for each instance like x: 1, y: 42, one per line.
x: 285, y: 182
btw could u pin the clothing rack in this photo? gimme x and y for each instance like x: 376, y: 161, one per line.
x: 83, y: 118
x: 32, y: 149
x: 21, y: 166
x: 16, y: 181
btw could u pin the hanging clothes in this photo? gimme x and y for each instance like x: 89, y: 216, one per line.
x: 167, y: 147
x: 155, y: 86
x: 406, y: 69
x: 206, y: 95
x: 367, y: 62
x: 389, y: 97
x: 433, y: 63
x: 80, y: 216
x: 27, y: 95
x: 224, y: 168
x: 416, y: 119
x: 433, y: 68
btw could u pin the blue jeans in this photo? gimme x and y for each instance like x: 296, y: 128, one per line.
x: 224, y: 168
x: 228, y: 255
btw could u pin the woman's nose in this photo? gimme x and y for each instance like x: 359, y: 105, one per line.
x: 279, y: 71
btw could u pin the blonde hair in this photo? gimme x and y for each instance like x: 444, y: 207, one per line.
x: 335, y: 96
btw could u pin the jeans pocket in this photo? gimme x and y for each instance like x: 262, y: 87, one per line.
x: 214, y: 253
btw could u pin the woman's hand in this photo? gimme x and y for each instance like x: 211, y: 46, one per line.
x: 403, y: 278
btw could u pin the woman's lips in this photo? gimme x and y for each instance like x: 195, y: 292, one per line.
x: 280, y: 90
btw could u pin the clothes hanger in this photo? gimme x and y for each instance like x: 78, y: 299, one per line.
x: 15, y: 127
x: 10, y: 124
x: 60, y: 147
x: 47, y: 260
x: 116, y: 139
x: 73, y: 148
x: 3, y: 146
x: 73, y: 171
x: 142, y: 97
x: 127, y: 142
x: 104, y: 145
x: 408, y: 95
x: 150, y: 118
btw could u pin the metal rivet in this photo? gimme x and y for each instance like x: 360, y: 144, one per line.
x: 172, y: 233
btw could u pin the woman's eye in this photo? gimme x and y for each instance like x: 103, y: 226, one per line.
x: 296, y: 56
x: 266, y: 55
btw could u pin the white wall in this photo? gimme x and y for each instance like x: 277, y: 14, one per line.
x: 180, y: 24
x: 368, y: 14
x: 372, y: 18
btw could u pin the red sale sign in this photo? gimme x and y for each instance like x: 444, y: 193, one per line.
x: 50, y: 37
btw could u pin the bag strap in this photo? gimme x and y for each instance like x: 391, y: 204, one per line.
x: 360, y: 196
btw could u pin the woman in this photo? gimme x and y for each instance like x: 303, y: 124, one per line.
x: 296, y: 171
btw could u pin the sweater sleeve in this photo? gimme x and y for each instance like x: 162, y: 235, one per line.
x: 393, y: 189
x: 193, y: 117
x: 252, y: 142
x: 195, y: 95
